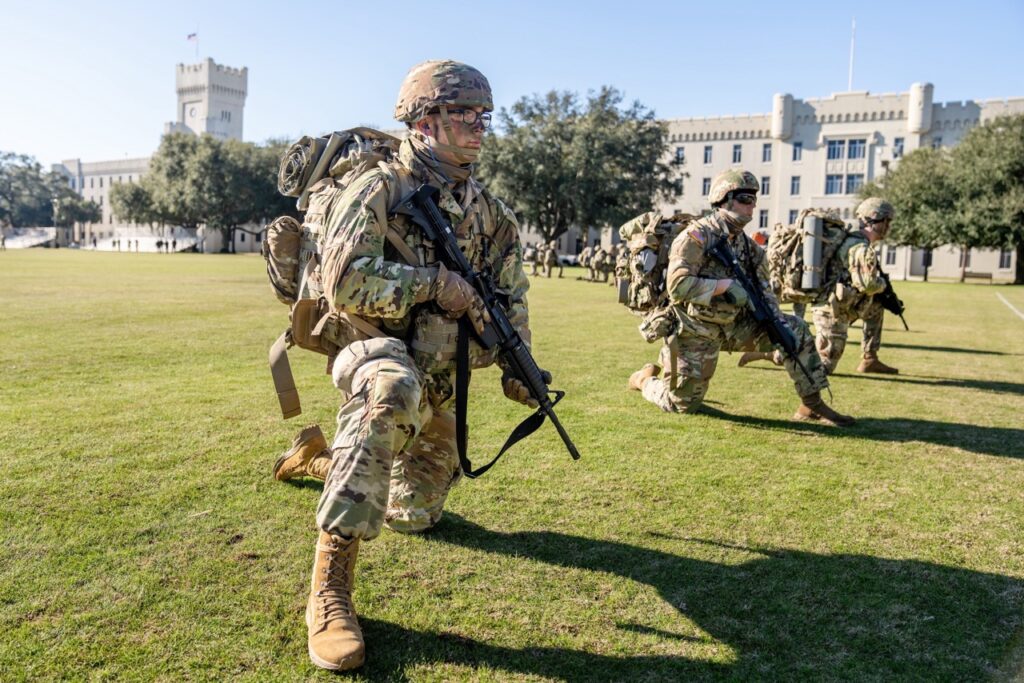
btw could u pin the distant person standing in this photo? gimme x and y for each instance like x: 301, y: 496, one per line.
x: 94, y: 242
x: 3, y: 241
x: 174, y: 244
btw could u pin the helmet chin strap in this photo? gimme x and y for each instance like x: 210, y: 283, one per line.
x: 463, y: 155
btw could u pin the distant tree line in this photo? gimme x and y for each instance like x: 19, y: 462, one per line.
x: 32, y: 197
x: 971, y: 195
x: 200, y: 180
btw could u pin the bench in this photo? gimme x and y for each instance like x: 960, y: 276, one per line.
x: 971, y: 275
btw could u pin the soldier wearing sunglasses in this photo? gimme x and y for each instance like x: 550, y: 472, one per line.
x: 711, y: 313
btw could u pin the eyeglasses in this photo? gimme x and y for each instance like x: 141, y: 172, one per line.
x: 745, y: 199
x: 469, y: 117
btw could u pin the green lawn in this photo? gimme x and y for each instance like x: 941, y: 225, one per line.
x: 144, y: 538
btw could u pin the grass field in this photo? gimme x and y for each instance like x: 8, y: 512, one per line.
x: 144, y: 539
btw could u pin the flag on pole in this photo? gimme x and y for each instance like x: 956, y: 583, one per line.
x: 192, y: 36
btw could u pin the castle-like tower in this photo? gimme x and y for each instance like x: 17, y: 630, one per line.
x: 211, y: 99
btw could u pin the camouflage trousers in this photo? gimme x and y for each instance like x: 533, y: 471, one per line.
x: 550, y: 267
x: 394, y: 454
x: 696, y: 350
x: 832, y: 329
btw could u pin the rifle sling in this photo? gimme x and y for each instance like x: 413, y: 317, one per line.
x: 462, y: 373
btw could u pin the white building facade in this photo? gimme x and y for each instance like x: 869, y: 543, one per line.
x: 211, y: 99
x: 818, y: 153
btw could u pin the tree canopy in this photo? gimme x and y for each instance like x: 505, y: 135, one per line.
x: 562, y: 163
x: 195, y: 181
x: 31, y: 197
x: 971, y: 195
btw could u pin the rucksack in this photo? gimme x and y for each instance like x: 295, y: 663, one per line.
x: 292, y: 249
x: 786, y: 263
x: 647, y: 240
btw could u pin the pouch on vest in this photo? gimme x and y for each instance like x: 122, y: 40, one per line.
x: 281, y: 247
x: 434, y: 344
x: 719, y: 313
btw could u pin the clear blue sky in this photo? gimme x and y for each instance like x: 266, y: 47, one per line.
x: 96, y: 80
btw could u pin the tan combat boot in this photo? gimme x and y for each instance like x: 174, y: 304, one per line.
x: 309, y: 456
x: 870, y: 363
x: 335, y: 639
x: 814, y: 409
x: 751, y: 356
x: 638, y: 378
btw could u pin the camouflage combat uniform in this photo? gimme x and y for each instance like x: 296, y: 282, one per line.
x: 394, y: 455
x: 551, y: 259
x: 851, y: 299
x: 708, y: 324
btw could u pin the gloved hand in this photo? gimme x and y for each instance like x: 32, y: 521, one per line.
x: 517, y: 391
x: 457, y: 297
x: 736, y: 295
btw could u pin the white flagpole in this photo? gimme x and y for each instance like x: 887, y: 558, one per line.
x: 853, y: 38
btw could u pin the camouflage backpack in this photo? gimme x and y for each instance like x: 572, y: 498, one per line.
x: 647, y: 240
x: 786, y: 263
x: 292, y: 249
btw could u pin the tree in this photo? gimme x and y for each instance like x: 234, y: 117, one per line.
x: 30, y: 197
x: 988, y: 170
x: 562, y: 164
x: 195, y: 181
x: 132, y: 203
x: 922, y: 192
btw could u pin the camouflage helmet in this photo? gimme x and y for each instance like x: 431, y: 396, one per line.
x: 730, y: 181
x: 875, y: 209
x: 435, y: 83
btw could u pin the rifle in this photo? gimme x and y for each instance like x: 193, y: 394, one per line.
x: 422, y: 209
x: 777, y: 329
x: 891, y: 302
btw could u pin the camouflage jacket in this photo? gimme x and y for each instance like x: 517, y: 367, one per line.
x: 363, y: 273
x: 693, y: 274
x: 863, y: 272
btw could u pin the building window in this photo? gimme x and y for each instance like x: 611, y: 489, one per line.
x: 72, y: 183
x: 705, y: 186
x: 120, y: 180
x: 897, y: 148
x: 90, y: 183
x: 762, y: 218
x: 890, y: 256
x: 937, y: 142
x: 835, y: 149
x: 798, y: 151
x: 794, y: 185
x: 680, y: 155
x: 833, y: 184
x: 766, y: 185
x: 858, y: 148
x: 241, y: 237
x: 854, y: 182
x: 1004, y: 259
x: 766, y: 152
x: 101, y: 200
x: 965, y: 258
x: 707, y: 155
x: 101, y: 182
x: 737, y: 154
x: 793, y: 213
x: 130, y: 181
x: 111, y: 219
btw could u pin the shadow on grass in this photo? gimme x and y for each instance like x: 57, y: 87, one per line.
x: 1000, y: 441
x: 786, y: 615
x: 948, y: 349
x: 934, y: 381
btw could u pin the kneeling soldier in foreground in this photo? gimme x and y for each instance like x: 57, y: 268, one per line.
x: 394, y: 457
x: 714, y: 310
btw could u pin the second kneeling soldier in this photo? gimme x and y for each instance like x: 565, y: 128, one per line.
x: 712, y: 311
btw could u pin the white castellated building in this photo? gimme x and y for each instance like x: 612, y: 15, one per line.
x: 211, y: 99
x: 818, y: 152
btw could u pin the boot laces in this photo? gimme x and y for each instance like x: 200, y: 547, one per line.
x: 335, y: 595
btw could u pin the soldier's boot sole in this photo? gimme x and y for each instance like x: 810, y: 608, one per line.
x: 637, y: 379
x: 306, y: 447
